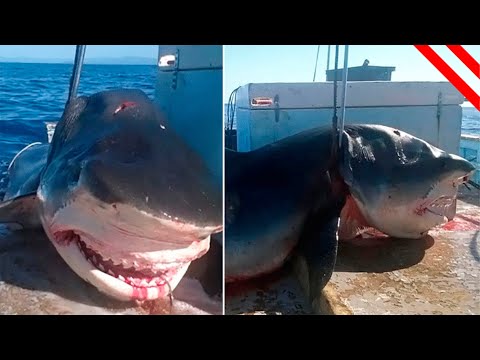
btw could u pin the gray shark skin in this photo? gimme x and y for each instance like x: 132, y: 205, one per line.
x: 24, y: 170
x: 122, y: 198
x: 298, y: 196
x: 18, y: 209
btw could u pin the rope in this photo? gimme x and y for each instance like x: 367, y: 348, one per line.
x: 335, y: 85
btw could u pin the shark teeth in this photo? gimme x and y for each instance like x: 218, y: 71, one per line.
x: 139, y: 275
x: 120, y: 262
x: 144, y: 283
x: 124, y: 263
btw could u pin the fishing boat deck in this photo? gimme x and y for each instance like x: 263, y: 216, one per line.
x: 439, y: 274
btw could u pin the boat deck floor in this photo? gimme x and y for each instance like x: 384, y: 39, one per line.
x: 439, y: 274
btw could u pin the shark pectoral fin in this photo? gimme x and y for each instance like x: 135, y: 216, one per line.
x: 316, y: 256
x: 208, y: 269
x: 237, y: 165
x: 20, y: 212
x: 352, y: 222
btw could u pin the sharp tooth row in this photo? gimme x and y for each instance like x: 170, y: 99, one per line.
x: 114, y: 261
x: 143, y: 282
x: 156, y: 281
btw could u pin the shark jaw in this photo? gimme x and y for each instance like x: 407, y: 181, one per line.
x: 125, y: 253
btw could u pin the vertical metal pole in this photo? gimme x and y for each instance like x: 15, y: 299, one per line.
x: 341, y: 123
x: 328, y: 58
x: 316, y: 64
x: 77, y: 70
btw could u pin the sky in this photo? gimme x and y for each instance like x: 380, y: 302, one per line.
x: 68, y: 51
x: 245, y: 64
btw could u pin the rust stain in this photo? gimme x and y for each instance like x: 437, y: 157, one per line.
x: 330, y: 303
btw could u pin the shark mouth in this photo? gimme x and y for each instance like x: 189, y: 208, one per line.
x: 444, y: 206
x: 123, y: 279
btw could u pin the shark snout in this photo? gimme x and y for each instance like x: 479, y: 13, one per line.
x: 458, y: 163
x: 157, y: 189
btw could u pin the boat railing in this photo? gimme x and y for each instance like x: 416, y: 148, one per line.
x: 470, y: 150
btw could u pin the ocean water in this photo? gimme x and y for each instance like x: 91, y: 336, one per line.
x: 471, y: 121
x: 31, y: 94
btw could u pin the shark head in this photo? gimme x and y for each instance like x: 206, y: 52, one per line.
x: 126, y: 203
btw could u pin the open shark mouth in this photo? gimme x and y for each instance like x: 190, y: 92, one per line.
x: 125, y: 253
x: 124, y: 278
x: 403, y: 220
x: 444, y: 206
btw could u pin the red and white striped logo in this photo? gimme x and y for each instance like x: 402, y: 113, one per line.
x: 469, y: 86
